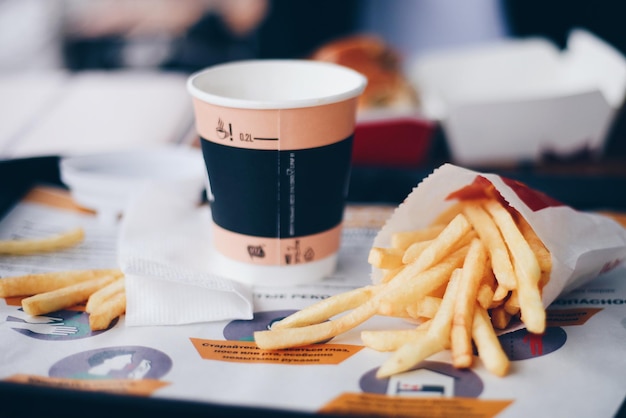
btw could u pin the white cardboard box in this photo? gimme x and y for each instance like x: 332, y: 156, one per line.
x: 514, y: 100
x: 94, y: 111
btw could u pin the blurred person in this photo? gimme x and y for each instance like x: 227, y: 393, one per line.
x: 169, y: 34
x: 191, y: 34
x: 111, y: 34
x: 188, y: 35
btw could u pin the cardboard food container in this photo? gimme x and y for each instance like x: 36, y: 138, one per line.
x: 392, y: 138
x: 582, y: 245
x: 516, y: 100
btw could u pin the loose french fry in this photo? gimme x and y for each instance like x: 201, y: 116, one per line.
x: 487, y: 343
x: 32, y: 284
x: 326, y: 308
x: 489, y: 234
x: 39, y: 245
x: 310, y: 334
x: 385, y: 258
x: 102, y: 315
x: 98, y: 297
x: 64, y: 297
x: 471, y: 275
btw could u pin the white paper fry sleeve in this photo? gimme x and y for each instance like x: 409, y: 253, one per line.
x: 582, y: 245
x: 164, y: 252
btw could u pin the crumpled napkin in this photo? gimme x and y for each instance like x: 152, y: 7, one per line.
x: 164, y: 250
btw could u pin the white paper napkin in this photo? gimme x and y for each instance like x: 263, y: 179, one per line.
x: 165, y: 252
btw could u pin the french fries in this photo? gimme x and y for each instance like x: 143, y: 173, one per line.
x: 103, y: 291
x: 57, y: 242
x: 489, y: 349
x: 477, y: 267
x: 32, y: 284
x: 64, y: 297
x: 412, y: 352
x: 328, y: 307
x: 461, y: 333
x: 104, y: 313
x: 98, y: 297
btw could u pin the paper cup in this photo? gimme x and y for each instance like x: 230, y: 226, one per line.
x: 276, y: 137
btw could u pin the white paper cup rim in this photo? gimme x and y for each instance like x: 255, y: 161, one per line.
x: 276, y: 84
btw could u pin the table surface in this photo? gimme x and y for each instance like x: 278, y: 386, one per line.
x: 367, y: 210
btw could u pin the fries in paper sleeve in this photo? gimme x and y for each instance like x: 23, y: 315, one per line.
x: 465, y: 257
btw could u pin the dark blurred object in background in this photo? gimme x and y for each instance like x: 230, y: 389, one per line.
x: 294, y: 29
x: 554, y: 19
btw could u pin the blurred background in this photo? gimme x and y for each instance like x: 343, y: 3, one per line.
x: 187, y: 35
x: 67, y: 64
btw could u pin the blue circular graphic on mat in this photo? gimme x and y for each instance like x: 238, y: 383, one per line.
x: 56, y: 326
x: 465, y: 383
x: 121, y: 362
x: 523, y: 345
x: 243, y: 330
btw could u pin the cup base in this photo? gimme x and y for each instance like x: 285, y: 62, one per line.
x: 250, y: 274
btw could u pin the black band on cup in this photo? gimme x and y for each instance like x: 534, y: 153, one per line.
x: 278, y: 194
